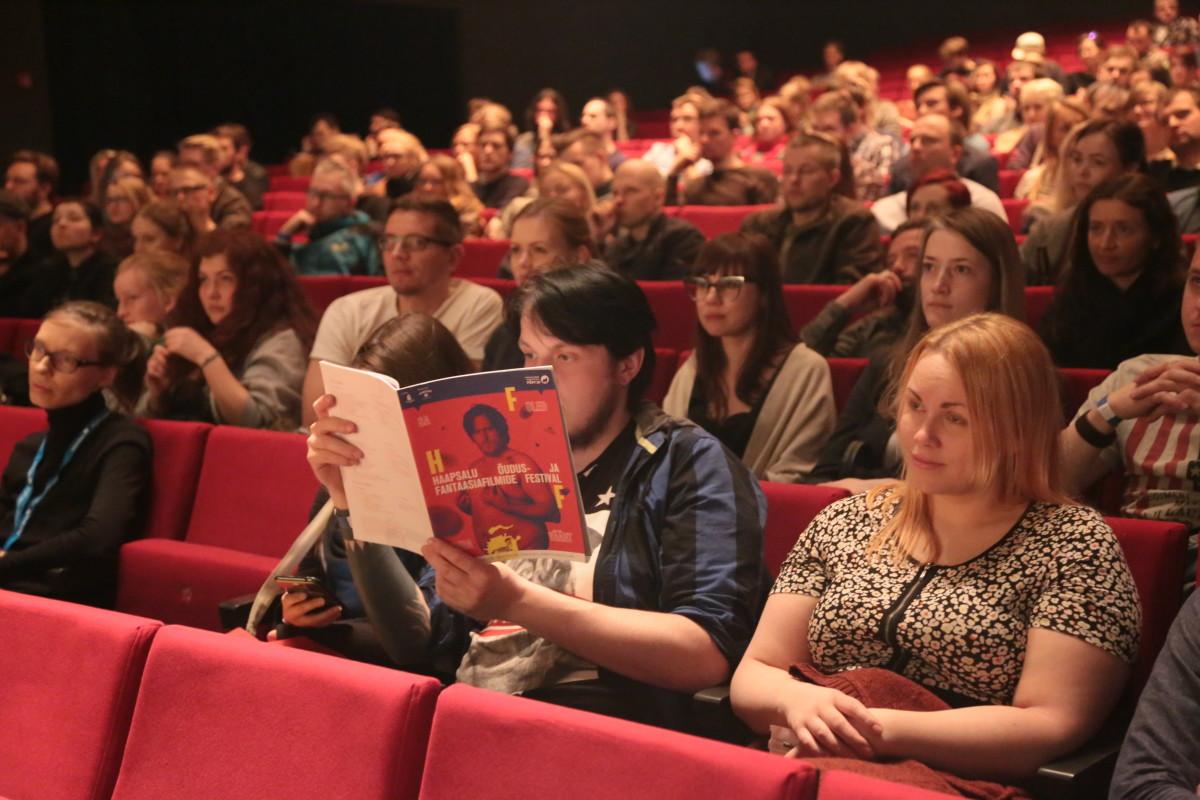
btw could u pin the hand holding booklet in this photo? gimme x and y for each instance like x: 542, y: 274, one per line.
x: 482, y: 461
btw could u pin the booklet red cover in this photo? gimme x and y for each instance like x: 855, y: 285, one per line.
x: 481, y: 460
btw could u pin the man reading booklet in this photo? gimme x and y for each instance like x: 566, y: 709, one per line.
x: 669, y: 596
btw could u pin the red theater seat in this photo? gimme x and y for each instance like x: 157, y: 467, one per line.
x: 487, y: 744
x: 268, y: 223
x: 284, y: 201
x: 666, y: 361
x: 1037, y: 300
x: 481, y: 258
x: 290, y: 183
x: 844, y: 372
x: 1009, y: 178
x: 1015, y: 209
x: 321, y: 290
x: 253, y: 497
x: 220, y: 717
x: 674, y: 313
x: 714, y: 220
x: 178, y: 454
x: 70, y: 675
x: 15, y: 424
x: 790, y: 507
x: 805, y: 301
x: 1156, y: 552
x: 838, y: 785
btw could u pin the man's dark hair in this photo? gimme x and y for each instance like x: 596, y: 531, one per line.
x: 484, y: 410
x: 507, y: 130
x: 43, y: 163
x: 238, y: 133
x: 956, y: 97
x: 725, y: 110
x: 329, y: 119
x: 448, y: 226
x: 390, y: 114
x: 589, y: 304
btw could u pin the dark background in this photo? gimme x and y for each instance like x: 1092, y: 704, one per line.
x: 76, y: 75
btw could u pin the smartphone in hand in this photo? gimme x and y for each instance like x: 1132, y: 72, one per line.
x: 307, y: 585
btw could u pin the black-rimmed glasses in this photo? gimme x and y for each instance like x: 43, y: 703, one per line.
x: 728, y: 286
x: 59, y: 361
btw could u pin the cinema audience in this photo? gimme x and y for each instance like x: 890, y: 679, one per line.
x: 731, y: 182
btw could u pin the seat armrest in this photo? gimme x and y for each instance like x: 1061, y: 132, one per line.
x: 235, y: 612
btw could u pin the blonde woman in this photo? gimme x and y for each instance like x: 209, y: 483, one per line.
x: 147, y: 286
x: 1040, y: 182
x: 443, y: 176
x: 973, y: 577
x: 123, y: 198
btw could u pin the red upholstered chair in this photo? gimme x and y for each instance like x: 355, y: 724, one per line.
x: 268, y: 223
x: 1076, y: 383
x: 221, y: 718
x: 674, y: 313
x: 1009, y: 178
x: 844, y: 372
x: 487, y: 744
x: 1001, y: 158
x: 274, y: 170
x: 790, y: 507
x: 254, y: 494
x: 666, y: 361
x: 178, y: 454
x: 70, y: 675
x: 8, y: 327
x: 504, y: 286
x: 804, y: 301
x: 1156, y: 552
x: 1015, y: 209
x: 321, y: 290
x: 15, y: 424
x: 23, y: 332
x: 356, y: 283
x: 290, y: 183
x: 284, y: 201
x: 714, y: 220
x: 481, y: 258
x: 1037, y: 300
x: 839, y: 785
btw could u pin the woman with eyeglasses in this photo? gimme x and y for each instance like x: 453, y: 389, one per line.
x: 236, y: 345
x: 79, y: 270
x: 968, y: 264
x: 73, y: 493
x: 750, y: 382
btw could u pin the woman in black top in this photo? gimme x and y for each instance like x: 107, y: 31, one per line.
x: 79, y: 271
x: 1124, y: 276
x: 72, y: 494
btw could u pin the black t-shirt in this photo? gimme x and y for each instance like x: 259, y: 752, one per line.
x: 598, y: 481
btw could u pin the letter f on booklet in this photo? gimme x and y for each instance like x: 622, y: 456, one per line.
x: 482, y: 461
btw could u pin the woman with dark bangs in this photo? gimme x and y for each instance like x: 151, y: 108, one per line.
x: 236, y: 345
x: 750, y: 382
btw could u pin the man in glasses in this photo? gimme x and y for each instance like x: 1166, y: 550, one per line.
x: 229, y: 208
x: 340, y: 239
x: 420, y: 247
x: 821, y: 236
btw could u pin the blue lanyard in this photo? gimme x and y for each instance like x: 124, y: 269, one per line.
x: 26, y: 502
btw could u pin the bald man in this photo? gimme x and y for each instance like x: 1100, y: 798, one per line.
x: 648, y: 245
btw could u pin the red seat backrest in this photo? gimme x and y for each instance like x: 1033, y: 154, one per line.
x: 714, y: 220
x: 1014, y: 209
x: 178, y: 454
x: 1037, y: 300
x: 284, y: 201
x: 805, y: 301
x: 481, y: 258
x: 254, y: 493
x: 503, y: 286
x: 15, y: 424
x: 24, y: 332
x: 1009, y: 178
x: 290, y: 183
x: 214, y: 711
x: 844, y: 372
x: 321, y: 290
x: 71, y: 676
x: 1156, y: 552
x: 790, y: 507
x: 8, y: 331
x: 674, y: 313
x: 268, y: 223
x: 666, y: 361
x: 534, y: 749
x: 1076, y: 383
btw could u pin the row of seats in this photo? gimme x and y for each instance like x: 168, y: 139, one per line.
x: 177, y: 711
x: 168, y: 711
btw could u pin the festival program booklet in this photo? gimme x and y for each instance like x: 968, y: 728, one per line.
x: 482, y: 461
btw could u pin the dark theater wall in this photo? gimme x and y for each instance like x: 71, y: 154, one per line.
x: 140, y: 75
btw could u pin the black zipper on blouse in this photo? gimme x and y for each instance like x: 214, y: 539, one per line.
x: 892, y: 617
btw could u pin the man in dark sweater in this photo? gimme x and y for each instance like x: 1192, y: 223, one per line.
x: 496, y: 186
x: 1161, y: 755
x: 17, y: 260
x: 649, y: 246
x: 731, y: 183
x: 33, y: 176
x: 821, y: 236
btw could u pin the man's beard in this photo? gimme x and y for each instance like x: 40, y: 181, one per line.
x: 590, y: 430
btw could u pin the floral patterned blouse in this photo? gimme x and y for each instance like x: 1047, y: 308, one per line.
x: 960, y: 630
